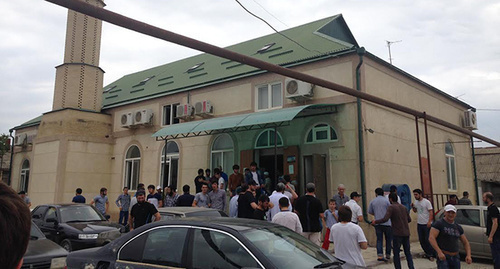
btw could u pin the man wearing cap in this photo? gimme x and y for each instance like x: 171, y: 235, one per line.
x: 310, y: 211
x: 357, y: 214
x: 340, y: 198
x: 444, y: 237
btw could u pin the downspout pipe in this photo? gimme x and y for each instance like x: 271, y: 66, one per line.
x: 478, y: 199
x: 9, y: 181
x: 361, y: 148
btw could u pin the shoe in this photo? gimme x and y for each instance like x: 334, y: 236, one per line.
x: 388, y: 257
x: 381, y: 259
x: 431, y: 259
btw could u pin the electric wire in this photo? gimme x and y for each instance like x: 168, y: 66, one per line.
x: 249, y: 12
x: 255, y: 1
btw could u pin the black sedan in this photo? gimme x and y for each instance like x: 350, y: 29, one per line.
x: 207, y: 243
x: 43, y: 253
x: 73, y: 226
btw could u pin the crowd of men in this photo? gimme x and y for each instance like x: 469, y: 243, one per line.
x: 251, y: 195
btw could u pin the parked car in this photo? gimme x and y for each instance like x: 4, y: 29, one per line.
x: 73, y: 226
x: 473, y: 220
x: 208, y: 243
x: 43, y: 253
x: 187, y: 211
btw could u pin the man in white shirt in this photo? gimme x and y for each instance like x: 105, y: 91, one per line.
x: 275, y: 198
x: 348, y: 238
x: 357, y: 214
x: 286, y: 217
x: 423, y: 208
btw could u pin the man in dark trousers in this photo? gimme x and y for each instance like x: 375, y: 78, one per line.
x: 310, y: 211
x: 400, y: 218
x: 492, y: 230
x: 444, y: 237
x: 142, y: 212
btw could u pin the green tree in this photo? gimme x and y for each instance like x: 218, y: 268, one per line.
x: 4, y: 147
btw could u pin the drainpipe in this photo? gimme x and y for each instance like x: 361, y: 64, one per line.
x: 361, y: 51
x: 9, y: 181
x: 475, y: 170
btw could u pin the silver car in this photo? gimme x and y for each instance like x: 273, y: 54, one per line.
x: 472, y: 218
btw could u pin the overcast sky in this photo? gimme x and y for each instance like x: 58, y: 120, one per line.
x: 452, y: 45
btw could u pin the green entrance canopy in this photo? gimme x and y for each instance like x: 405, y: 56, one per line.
x: 244, y: 122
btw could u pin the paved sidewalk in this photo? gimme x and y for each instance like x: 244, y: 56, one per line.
x: 370, y: 256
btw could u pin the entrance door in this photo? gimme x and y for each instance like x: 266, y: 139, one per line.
x: 315, y: 172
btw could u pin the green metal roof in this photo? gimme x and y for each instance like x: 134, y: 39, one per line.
x: 33, y: 122
x: 244, y: 122
x: 319, y: 39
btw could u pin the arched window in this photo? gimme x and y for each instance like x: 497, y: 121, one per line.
x: 266, y: 140
x: 223, y: 153
x: 321, y: 133
x: 171, y: 166
x: 132, y: 167
x: 25, y: 176
x: 450, y: 166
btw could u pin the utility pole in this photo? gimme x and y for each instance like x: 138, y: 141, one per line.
x: 389, y: 43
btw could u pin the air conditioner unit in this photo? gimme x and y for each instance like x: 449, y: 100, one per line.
x: 20, y: 139
x: 184, y: 111
x: 203, y: 108
x: 470, y: 120
x: 143, y: 117
x: 126, y: 120
x: 298, y: 90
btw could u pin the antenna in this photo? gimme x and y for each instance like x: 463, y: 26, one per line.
x: 389, y: 43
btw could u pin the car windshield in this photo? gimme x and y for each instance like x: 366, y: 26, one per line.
x: 80, y: 214
x: 35, y: 233
x: 287, y: 249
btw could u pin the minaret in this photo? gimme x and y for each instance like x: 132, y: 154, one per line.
x: 73, y: 146
x: 79, y: 80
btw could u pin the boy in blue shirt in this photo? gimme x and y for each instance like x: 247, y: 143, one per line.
x: 331, y: 217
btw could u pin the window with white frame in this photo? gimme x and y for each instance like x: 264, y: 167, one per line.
x: 321, y: 133
x: 450, y: 166
x: 132, y: 167
x: 169, y: 115
x: 266, y: 139
x: 169, y: 171
x: 269, y: 96
x: 25, y: 176
x: 223, y: 153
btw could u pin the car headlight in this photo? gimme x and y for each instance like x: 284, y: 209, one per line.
x: 58, y: 263
x: 87, y: 236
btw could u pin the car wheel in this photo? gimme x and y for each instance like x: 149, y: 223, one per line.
x: 66, y: 244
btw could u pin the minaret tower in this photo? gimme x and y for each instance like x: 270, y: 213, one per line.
x: 79, y: 79
x: 73, y: 146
